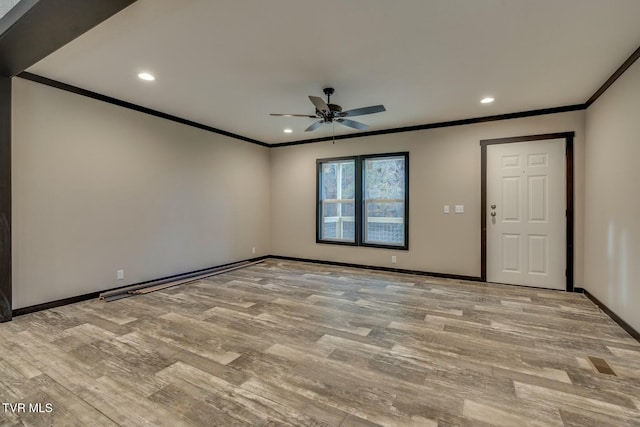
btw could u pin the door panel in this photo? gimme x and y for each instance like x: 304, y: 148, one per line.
x: 510, y: 162
x: 538, y: 255
x: 526, y: 213
x: 511, y: 198
x: 511, y: 253
x: 538, y: 198
x: 537, y: 160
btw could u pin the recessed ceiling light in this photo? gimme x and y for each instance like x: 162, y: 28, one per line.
x: 487, y: 100
x: 288, y: 131
x: 146, y: 76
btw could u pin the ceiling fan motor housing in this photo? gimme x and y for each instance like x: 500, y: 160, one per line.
x: 335, y: 113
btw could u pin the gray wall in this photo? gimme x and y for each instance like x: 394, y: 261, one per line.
x: 612, y: 204
x: 444, y: 169
x: 97, y: 188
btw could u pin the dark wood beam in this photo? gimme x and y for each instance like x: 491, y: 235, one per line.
x: 5, y: 199
x: 35, y: 28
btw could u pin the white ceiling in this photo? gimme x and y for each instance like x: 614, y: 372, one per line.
x: 229, y: 63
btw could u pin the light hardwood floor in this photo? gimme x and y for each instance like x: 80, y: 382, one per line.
x: 287, y: 343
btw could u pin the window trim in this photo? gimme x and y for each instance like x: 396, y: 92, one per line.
x: 359, y: 201
x: 358, y: 183
x: 361, y: 237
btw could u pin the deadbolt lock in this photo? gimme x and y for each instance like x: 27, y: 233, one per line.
x: 493, y: 206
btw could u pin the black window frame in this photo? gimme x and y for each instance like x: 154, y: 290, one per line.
x: 359, y: 201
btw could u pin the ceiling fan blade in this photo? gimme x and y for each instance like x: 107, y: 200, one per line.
x: 314, y: 126
x: 293, y: 115
x: 364, y: 110
x: 320, y: 104
x: 353, y: 124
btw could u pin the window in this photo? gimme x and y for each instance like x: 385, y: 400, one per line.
x: 364, y: 200
x: 337, y: 204
x: 384, y: 200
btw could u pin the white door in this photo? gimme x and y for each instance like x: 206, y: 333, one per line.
x: 526, y: 213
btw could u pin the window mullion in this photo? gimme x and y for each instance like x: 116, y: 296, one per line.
x: 359, y: 196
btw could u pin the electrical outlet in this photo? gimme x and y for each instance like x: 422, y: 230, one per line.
x: 253, y: 250
x: 446, y: 209
x: 394, y: 259
x: 120, y: 274
x: 459, y: 209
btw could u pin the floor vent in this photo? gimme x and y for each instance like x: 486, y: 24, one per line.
x: 601, y: 365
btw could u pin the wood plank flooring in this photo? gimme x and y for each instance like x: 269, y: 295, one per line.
x: 288, y: 343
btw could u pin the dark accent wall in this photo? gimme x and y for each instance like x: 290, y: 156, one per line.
x: 5, y: 199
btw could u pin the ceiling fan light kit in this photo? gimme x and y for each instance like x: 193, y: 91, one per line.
x: 327, y: 112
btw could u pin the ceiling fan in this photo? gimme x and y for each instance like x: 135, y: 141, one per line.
x: 332, y: 113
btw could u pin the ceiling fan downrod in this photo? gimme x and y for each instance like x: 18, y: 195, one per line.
x: 328, y: 91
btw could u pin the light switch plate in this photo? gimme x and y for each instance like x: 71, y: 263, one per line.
x: 459, y: 209
x: 446, y: 208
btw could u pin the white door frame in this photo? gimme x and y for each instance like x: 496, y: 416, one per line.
x: 568, y: 138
